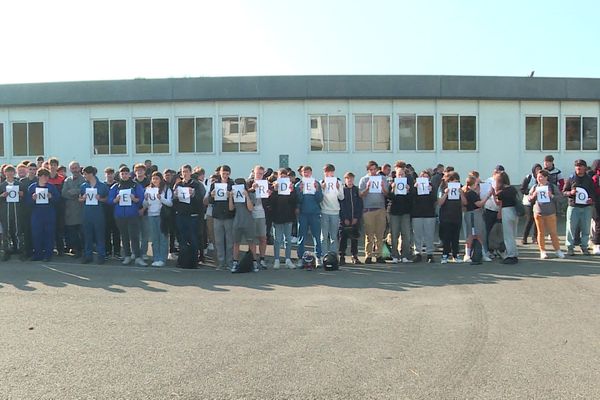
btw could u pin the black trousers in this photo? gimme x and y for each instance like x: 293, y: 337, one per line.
x: 450, y: 235
x: 352, y: 235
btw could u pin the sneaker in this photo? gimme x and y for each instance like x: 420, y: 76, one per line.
x: 597, y: 249
x: 457, y: 260
x: 255, y: 267
x: 145, y: 257
x: 210, y: 247
x: 510, y: 260
x: 467, y: 258
x: 235, y: 266
x: 160, y: 264
x: 294, y: 240
x: 291, y: 265
x: 406, y: 260
x: 276, y: 264
x: 126, y: 260
x: 560, y: 254
x: 570, y: 251
x: 380, y: 260
x: 263, y: 263
x: 543, y: 255
x: 140, y: 262
x: 418, y: 258
x: 299, y: 263
x: 430, y: 259
x: 486, y: 259
x: 355, y: 260
x: 172, y: 256
x: 155, y: 264
x: 585, y: 251
x: 368, y: 260
x: 318, y: 262
x: 444, y: 259
x: 342, y: 260
x: 395, y: 260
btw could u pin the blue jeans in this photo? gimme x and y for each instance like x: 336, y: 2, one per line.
x: 159, y: 239
x: 93, y: 233
x: 283, y: 232
x: 330, y: 225
x: 187, y: 227
x: 578, y: 218
x: 312, y: 221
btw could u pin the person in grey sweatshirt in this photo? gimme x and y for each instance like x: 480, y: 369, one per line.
x: 73, y: 209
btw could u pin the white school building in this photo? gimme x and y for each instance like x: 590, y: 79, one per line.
x: 466, y: 121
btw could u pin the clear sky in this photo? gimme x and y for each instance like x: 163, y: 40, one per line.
x: 59, y: 40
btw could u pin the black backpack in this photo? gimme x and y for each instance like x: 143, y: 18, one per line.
x: 245, y: 263
x: 186, y: 259
x: 476, y: 247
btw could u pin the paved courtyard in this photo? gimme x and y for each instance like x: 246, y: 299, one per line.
x: 493, y: 331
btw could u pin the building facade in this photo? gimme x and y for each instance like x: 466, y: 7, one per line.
x: 467, y: 122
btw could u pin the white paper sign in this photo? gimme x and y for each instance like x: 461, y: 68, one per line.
x: 376, y: 184
x: 42, y: 196
x: 331, y: 184
x: 542, y: 194
x: 12, y: 194
x: 238, y: 193
x: 152, y: 195
x: 401, y: 186
x: 220, y: 192
x: 183, y: 194
x: 453, y: 190
x: 125, y: 197
x: 422, y: 186
x: 484, y: 189
x: 581, y: 197
x: 262, y: 190
x: 284, y: 186
x: 308, y: 186
x: 90, y: 197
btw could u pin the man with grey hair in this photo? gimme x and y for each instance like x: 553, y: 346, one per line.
x: 73, y: 209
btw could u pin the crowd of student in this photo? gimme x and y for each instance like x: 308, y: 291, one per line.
x: 43, y: 212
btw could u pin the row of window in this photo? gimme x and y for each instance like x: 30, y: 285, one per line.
x: 328, y: 133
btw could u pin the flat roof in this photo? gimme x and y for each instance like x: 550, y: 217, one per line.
x: 299, y: 88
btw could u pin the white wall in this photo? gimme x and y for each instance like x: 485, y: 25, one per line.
x: 283, y: 128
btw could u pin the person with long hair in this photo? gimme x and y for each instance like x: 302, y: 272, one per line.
x: 473, y: 217
x: 506, y: 198
x: 158, y: 219
x: 528, y: 182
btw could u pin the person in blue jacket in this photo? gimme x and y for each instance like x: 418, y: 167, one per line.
x: 43, y: 215
x: 93, y: 215
x: 309, y: 205
x: 127, y: 197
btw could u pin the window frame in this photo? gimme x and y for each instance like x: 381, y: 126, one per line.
x: 212, y: 127
x: 239, y: 117
x: 3, y: 134
x: 135, y: 119
x: 373, y: 115
x: 458, y: 117
x: 327, y: 142
x: 416, y: 116
x: 12, y: 142
x: 581, y: 118
x: 542, y: 116
x: 109, y: 120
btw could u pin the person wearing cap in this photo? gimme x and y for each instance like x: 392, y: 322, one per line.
x: 579, y: 211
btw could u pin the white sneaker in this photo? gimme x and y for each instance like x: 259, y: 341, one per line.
x: 444, y: 259
x: 395, y: 260
x: 294, y: 240
x: 467, y: 258
x: 140, y: 262
x: 289, y: 263
x: 300, y: 263
x: 597, y: 250
x: 160, y: 264
x: 210, y: 247
x: 255, y: 267
x: 155, y: 263
x: 318, y: 262
x: 126, y: 260
x: 406, y: 260
x: 560, y: 254
x: 543, y: 255
x: 263, y: 264
x: 277, y: 264
x: 487, y: 259
x: 457, y: 260
x: 172, y: 256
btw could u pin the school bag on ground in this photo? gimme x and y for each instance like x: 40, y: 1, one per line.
x: 496, y: 238
x: 186, y: 258
x: 245, y: 264
x: 476, y: 247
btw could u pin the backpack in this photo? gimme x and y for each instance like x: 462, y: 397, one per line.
x: 476, y: 247
x: 496, y: 238
x: 245, y: 263
x: 186, y: 259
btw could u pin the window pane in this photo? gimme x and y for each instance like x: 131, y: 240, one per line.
x: 118, y: 136
x: 160, y: 135
x: 468, y: 133
x: 408, y: 132
x: 230, y: 134
x: 450, y: 133
x: 590, y: 133
x: 19, y: 133
x: 143, y: 135
x: 248, y: 134
x: 185, y: 135
x: 550, y: 141
x: 382, y: 132
x: 101, y: 137
x: 533, y: 130
x: 425, y: 132
x: 337, y: 133
x: 362, y: 132
x: 36, y: 138
x: 318, y: 132
x: 573, y: 133
x: 204, y: 135
x: 1, y: 140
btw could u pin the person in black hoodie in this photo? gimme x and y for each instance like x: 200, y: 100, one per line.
x: 222, y: 220
x: 400, y: 208
x: 351, y: 210
x: 529, y: 182
x: 423, y: 221
x: 188, y: 210
x: 283, y: 213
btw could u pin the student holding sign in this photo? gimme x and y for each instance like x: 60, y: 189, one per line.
x: 10, y: 212
x: 93, y: 194
x: 260, y: 188
x: 579, y: 189
x: 543, y: 196
x: 310, y: 197
x: 333, y: 194
x: 25, y: 216
x: 423, y: 220
x: 189, y: 208
x: 241, y: 201
x: 450, y: 218
x: 43, y: 197
x: 401, y: 195
x: 127, y: 197
x: 158, y: 198
x: 283, y: 211
x: 222, y: 217
x: 73, y: 209
x: 373, y: 190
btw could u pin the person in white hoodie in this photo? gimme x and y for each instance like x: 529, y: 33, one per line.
x: 333, y: 193
x: 158, y: 195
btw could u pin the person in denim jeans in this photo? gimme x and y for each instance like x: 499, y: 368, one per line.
x: 330, y: 211
x: 579, y: 215
x: 310, y: 215
x: 157, y: 219
x: 94, y: 221
x: 283, y: 212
